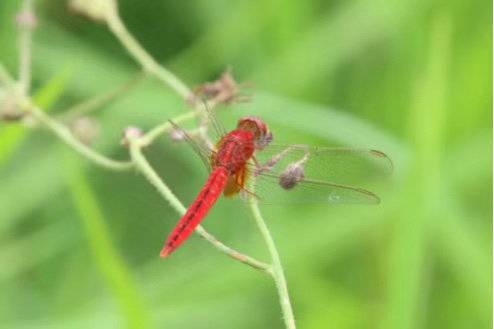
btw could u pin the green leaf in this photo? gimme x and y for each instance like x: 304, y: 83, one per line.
x: 111, y: 265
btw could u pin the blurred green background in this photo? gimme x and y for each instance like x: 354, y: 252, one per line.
x: 79, y: 245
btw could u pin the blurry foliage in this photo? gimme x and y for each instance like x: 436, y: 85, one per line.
x: 411, y: 78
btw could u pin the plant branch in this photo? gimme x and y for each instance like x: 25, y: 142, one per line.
x: 277, y: 273
x: 154, y: 133
x: 98, y: 101
x: 26, y: 22
x: 147, y: 62
x: 151, y: 135
x: 145, y: 168
x: 66, y: 136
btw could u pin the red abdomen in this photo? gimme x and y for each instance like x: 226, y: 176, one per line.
x: 197, y: 210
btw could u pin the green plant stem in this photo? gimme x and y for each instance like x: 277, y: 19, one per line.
x: 199, y: 109
x: 147, y: 62
x: 94, y: 103
x: 154, y: 133
x: 145, y: 168
x: 66, y: 136
x: 277, y: 273
x: 24, y: 44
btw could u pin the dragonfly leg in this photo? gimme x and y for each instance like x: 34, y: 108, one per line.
x: 181, y: 134
x: 244, y: 193
x: 270, y: 163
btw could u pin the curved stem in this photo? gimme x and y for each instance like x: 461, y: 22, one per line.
x: 154, y: 133
x: 24, y: 44
x: 277, y: 273
x: 147, y: 62
x: 145, y: 168
x: 66, y: 136
x: 199, y: 109
x: 93, y: 104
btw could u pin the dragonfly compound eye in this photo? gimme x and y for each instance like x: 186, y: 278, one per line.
x: 264, y: 141
x: 293, y: 174
x: 254, y: 124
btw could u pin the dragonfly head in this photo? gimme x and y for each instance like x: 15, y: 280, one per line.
x: 261, y: 132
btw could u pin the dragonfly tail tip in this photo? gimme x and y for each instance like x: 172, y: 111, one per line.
x: 165, y: 252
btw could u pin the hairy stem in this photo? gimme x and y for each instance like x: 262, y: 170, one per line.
x: 166, y: 126
x: 96, y: 102
x: 277, y: 273
x: 145, y: 168
x: 199, y: 109
x: 66, y: 136
x: 147, y: 62
x: 24, y: 44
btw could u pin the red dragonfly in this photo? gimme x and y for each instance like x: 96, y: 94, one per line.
x: 294, y: 173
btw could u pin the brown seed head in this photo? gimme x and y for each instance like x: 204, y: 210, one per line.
x: 224, y: 90
x: 86, y: 129
x: 293, y: 174
x: 9, y: 111
x: 129, y: 134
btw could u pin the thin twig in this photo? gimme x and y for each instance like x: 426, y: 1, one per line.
x: 25, y: 21
x: 147, y: 62
x: 98, y: 101
x: 66, y: 136
x: 145, y: 168
x: 199, y: 109
x: 166, y: 126
x: 277, y: 273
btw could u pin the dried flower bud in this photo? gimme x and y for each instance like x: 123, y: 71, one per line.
x: 177, y: 135
x: 94, y: 9
x: 26, y: 18
x: 9, y: 111
x: 224, y: 90
x: 130, y: 133
x: 293, y: 174
x: 85, y: 129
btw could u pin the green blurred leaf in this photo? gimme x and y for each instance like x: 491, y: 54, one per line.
x: 108, y: 260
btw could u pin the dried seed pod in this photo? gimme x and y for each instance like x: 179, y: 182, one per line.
x: 223, y: 90
x: 9, y: 111
x: 130, y: 133
x: 177, y: 135
x: 86, y: 129
x: 293, y: 174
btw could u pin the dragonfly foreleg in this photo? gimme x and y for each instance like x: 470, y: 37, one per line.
x: 270, y: 163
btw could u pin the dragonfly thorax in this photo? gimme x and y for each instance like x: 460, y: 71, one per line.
x: 234, y: 150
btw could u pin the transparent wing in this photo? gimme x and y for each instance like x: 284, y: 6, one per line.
x: 337, y: 165
x: 329, y: 175
x: 268, y: 191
